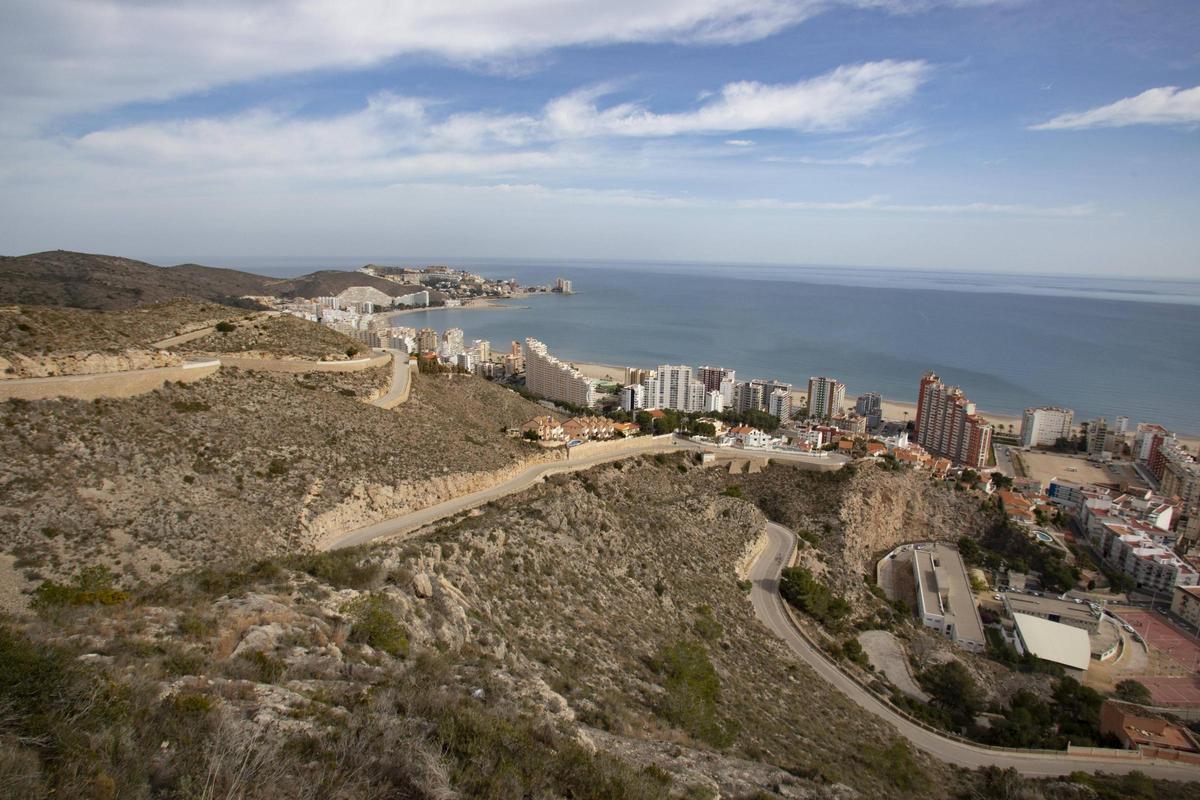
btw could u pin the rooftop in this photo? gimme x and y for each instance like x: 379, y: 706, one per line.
x: 1052, y: 606
x: 1054, y: 641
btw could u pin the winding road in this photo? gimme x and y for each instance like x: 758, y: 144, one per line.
x: 401, y: 381
x: 768, y: 606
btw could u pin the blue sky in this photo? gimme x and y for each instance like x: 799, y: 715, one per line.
x: 1009, y: 135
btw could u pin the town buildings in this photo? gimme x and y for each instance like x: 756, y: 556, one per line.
x: 674, y: 387
x: 870, y: 406
x: 826, y: 396
x: 947, y: 425
x: 945, y: 601
x: 427, y: 340
x: 1185, y: 604
x: 1180, y: 477
x: 1135, y: 727
x: 633, y: 397
x: 562, y: 285
x: 1042, y: 427
x: 712, y: 377
x: 779, y: 404
x: 555, y: 380
x: 452, y: 344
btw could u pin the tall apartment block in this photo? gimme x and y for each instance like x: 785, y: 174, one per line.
x: 674, y: 387
x: 552, y: 379
x: 826, y: 396
x: 870, y: 405
x: 947, y: 425
x: 1042, y: 427
x: 711, y: 377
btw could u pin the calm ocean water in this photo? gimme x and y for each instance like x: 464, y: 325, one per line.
x: 1101, y: 346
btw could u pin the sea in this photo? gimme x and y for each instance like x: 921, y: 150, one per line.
x: 1102, y: 346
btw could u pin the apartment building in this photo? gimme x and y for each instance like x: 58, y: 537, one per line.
x: 1153, y: 566
x: 712, y: 377
x: 870, y: 406
x: 1042, y: 427
x: 948, y: 426
x: 427, y: 340
x: 1185, y: 604
x: 826, y: 396
x: 633, y: 397
x: 674, y: 387
x: 1181, y: 478
x: 552, y: 379
x: 779, y: 404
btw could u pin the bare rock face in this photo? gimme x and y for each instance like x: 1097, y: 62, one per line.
x: 87, y: 363
x: 422, y: 586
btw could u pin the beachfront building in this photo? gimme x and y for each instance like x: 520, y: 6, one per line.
x: 633, y: 398
x: 1146, y: 438
x: 945, y: 601
x: 712, y: 377
x: 1042, y: 427
x: 826, y: 396
x: 747, y: 396
x: 555, y: 380
x: 779, y: 404
x: 562, y: 285
x: 427, y: 340
x: 948, y: 426
x: 714, y: 401
x: 870, y: 405
x: 674, y: 387
x: 452, y: 344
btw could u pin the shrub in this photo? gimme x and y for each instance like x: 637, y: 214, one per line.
x: 189, y: 406
x: 733, y: 491
x: 801, y: 590
x: 340, y: 568
x: 1133, y: 691
x: 375, y: 624
x: 226, y: 327
x: 897, y: 764
x: 706, y: 626
x: 267, y: 668
x: 692, y: 689
x: 91, y: 586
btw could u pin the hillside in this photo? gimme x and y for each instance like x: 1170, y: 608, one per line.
x: 85, y: 280
x: 584, y: 639
x: 332, y: 281
x: 283, y: 335
x: 240, y: 465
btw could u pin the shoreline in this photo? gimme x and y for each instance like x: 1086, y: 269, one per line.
x: 489, y: 305
x: 893, y: 410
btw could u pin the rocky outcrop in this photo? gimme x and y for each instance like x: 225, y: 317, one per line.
x: 86, y: 363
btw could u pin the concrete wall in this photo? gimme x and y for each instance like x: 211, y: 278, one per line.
x: 105, y: 384
x: 299, y: 365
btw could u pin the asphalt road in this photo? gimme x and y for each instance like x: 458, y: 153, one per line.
x: 769, y: 607
x: 519, y: 482
x: 401, y: 376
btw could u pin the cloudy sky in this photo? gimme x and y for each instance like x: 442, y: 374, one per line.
x: 1018, y: 135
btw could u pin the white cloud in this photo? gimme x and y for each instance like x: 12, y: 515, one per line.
x: 879, y: 204
x: 391, y: 131
x: 71, y: 56
x: 739, y: 142
x: 881, y: 150
x: 1166, y: 105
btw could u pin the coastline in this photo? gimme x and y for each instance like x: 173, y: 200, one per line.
x: 488, y: 304
x: 899, y: 410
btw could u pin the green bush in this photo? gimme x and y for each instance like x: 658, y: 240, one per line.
x: 692, y: 689
x: 375, y: 624
x: 1133, y: 691
x: 706, y: 626
x: 91, y: 586
x: 897, y: 765
x: 800, y: 589
x: 340, y: 568
x: 733, y: 491
x: 226, y: 327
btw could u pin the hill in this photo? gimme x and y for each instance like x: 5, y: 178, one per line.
x: 85, y: 280
x: 326, y: 283
x: 238, y: 466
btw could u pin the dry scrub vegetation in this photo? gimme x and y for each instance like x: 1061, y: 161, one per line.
x: 280, y: 336
x: 238, y: 466
x: 585, y: 639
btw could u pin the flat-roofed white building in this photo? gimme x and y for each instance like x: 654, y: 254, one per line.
x: 552, y: 379
x: 1042, y: 427
x: 1053, y: 641
x: 945, y: 601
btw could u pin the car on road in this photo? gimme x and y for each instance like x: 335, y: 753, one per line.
x: 995, y: 597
